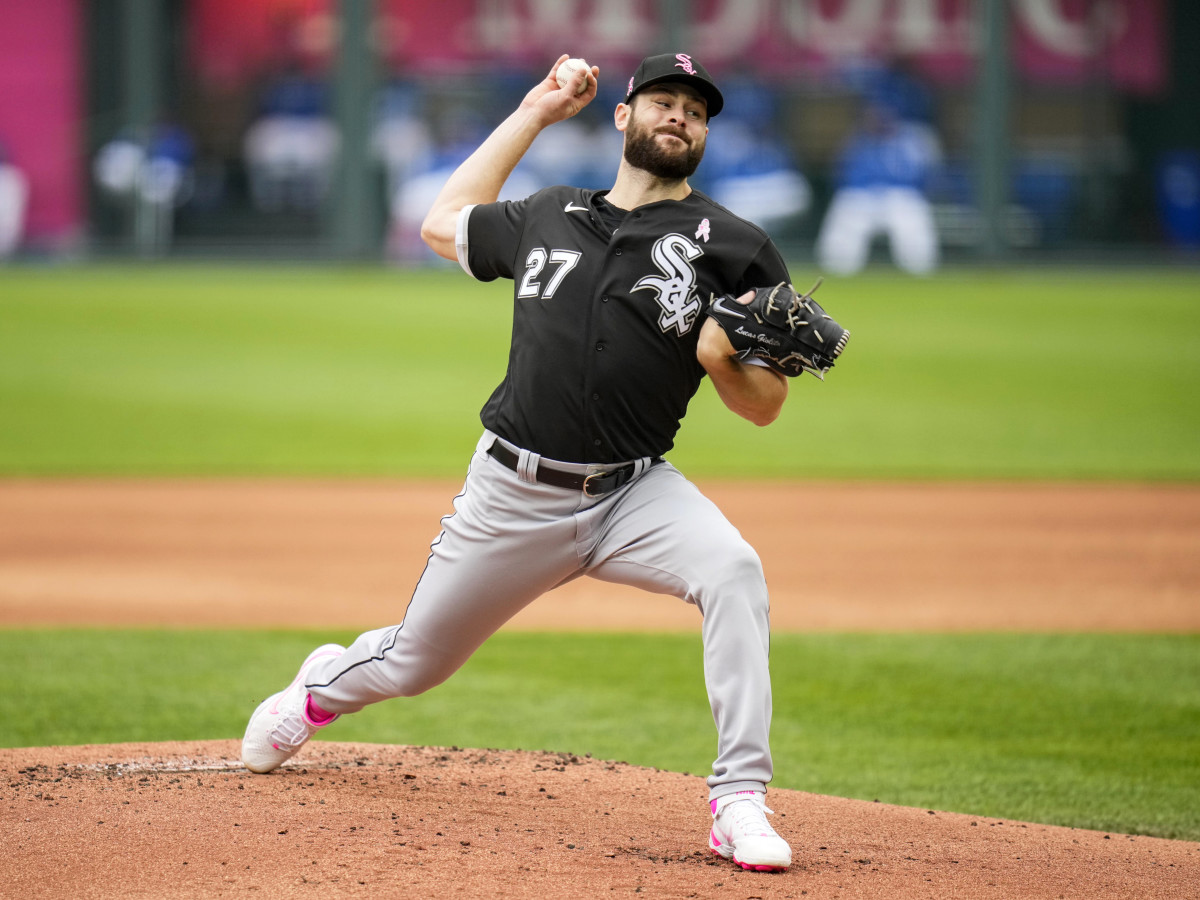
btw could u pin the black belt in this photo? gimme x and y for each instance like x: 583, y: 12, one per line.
x: 595, y: 485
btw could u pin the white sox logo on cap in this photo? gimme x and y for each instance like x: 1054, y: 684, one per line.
x: 676, y: 67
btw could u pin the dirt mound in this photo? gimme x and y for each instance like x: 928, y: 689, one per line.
x: 185, y: 820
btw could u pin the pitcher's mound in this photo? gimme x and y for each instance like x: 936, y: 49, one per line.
x: 186, y: 820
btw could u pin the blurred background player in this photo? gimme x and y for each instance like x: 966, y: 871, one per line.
x: 14, y: 201
x: 881, y: 182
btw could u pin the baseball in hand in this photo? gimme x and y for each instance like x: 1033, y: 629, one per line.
x: 567, y: 71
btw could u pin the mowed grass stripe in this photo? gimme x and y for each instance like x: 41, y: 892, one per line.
x: 194, y: 369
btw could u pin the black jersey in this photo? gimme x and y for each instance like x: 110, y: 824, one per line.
x: 605, y: 324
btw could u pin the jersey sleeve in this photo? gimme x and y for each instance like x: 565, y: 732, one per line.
x: 487, y: 237
x: 765, y: 269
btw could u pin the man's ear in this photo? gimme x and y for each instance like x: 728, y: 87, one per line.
x: 621, y: 116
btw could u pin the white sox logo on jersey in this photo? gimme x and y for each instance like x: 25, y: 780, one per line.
x: 673, y: 254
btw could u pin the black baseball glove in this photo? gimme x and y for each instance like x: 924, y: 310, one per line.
x: 789, y: 332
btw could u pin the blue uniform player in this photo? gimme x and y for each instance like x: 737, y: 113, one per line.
x: 882, y: 176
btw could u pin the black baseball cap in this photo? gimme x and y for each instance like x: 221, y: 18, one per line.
x: 676, y: 67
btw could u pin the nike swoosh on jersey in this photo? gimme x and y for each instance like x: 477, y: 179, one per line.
x: 720, y: 307
x: 571, y: 207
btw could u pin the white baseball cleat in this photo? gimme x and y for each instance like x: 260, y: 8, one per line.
x: 740, y: 832
x: 282, y: 725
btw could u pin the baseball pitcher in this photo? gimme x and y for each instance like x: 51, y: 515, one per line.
x: 624, y: 300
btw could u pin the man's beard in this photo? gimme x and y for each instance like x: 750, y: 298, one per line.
x: 642, y: 151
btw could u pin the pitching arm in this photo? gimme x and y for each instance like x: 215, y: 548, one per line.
x: 481, y: 176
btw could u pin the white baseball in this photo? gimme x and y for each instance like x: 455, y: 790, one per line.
x: 567, y: 71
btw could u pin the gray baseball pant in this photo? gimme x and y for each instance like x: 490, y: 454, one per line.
x: 512, y: 539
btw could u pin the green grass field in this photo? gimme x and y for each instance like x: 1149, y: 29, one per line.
x: 261, y: 370
x: 980, y: 374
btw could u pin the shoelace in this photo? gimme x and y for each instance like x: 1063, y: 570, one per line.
x: 290, y: 732
x: 748, y: 817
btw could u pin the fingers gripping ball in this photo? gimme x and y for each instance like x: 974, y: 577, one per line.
x: 789, y: 332
x: 566, y: 74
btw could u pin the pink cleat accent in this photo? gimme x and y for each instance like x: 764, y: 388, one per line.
x: 741, y: 833
x: 284, y: 722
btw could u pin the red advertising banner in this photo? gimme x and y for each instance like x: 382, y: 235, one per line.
x: 1053, y: 40
x: 1075, y: 40
x: 41, y: 113
x: 231, y: 40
